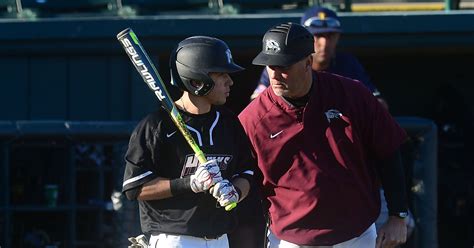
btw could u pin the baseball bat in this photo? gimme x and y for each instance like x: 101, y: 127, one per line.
x: 142, y: 63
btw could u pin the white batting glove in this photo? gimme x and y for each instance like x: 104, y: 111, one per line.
x: 225, y: 193
x: 138, y: 242
x: 206, y: 175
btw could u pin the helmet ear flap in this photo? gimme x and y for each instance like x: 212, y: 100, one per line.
x: 184, y: 77
x: 198, y: 85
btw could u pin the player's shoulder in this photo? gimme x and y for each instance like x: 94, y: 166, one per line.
x: 152, y: 120
x: 226, y: 114
x: 344, y: 57
x: 225, y: 111
x: 155, y: 117
x: 332, y: 77
x: 340, y: 83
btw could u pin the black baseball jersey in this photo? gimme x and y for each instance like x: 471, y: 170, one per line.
x: 157, y: 149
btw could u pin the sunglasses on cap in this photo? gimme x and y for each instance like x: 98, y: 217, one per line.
x: 317, y: 22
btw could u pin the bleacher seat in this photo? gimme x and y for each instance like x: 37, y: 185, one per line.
x: 249, y: 6
x: 8, y: 8
x: 147, y: 7
x: 70, y: 7
x: 14, y: 9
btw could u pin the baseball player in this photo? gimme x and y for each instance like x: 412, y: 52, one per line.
x: 181, y: 201
x: 326, y: 28
x: 322, y: 144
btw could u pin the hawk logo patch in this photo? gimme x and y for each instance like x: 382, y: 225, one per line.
x: 272, y: 46
x: 333, y: 114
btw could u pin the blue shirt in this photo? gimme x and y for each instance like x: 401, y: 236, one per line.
x: 343, y: 64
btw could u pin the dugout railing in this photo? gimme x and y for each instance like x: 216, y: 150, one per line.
x: 421, y: 163
x: 83, y: 162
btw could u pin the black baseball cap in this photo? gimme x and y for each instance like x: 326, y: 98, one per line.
x: 284, y: 45
x: 319, y: 20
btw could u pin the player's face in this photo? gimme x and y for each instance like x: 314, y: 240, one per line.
x: 221, y: 90
x: 325, y: 47
x: 291, y: 81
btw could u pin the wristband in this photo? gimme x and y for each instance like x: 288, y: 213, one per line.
x: 246, y: 176
x: 239, y: 192
x: 180, y: 186
x: 401, y: 215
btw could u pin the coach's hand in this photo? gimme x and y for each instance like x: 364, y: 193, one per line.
x: 392, y: 233
x: 225, y: 193
x: 206, y: 176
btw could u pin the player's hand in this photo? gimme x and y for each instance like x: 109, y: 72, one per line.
x: 206, y: 176
x: 225, y: 193
x: 138, y: 242
x: 392, y: 233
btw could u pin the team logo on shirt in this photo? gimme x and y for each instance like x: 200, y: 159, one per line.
x: 273, y: 135
x: 339, y: 134
x: 191, y: 162
x: 333, y: 114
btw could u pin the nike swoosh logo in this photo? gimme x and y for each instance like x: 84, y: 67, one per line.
x: 170, y: 134
x: 272, y: 136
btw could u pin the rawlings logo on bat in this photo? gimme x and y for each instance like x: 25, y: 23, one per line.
x: 142, y: 68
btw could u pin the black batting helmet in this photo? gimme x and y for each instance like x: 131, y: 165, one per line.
x: 193, y: 60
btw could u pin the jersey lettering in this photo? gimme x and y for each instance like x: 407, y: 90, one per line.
x: 191, y: 162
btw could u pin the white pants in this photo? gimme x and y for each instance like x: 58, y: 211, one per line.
x: 182, y: 241
x: 365, y: 240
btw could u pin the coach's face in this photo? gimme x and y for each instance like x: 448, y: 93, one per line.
x: 293, y: 81
x: 221, y: 90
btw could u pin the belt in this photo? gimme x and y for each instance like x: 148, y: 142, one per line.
x: 205, y: 237
x: 212, y: 237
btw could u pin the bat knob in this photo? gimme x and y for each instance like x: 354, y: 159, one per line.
x: 230, y: 206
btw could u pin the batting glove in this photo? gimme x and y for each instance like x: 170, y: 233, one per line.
x: 225, y: 193
x: 138, y: 242
x: 206, y: 176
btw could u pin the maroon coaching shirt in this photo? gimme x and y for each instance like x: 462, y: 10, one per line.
x: 318, y: 162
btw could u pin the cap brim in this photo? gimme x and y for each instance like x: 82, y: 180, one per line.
x: 323, y: 30
x: 265, y: 59
x: 235, y: 68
